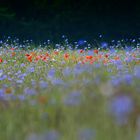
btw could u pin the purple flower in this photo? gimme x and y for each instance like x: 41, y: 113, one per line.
x: 118, y: 62
x: 134, y: 40
x: 57, y: 81
x: 73, y: 99
x: 137, y: 71
x: 51, y: 135
x: 120, y: 108
x: 90, y: 52
x: 97, y: 65
x: 9, y: 97
x: 138, y: 136
x: 19, y: 81
x: 43, y: 84
x: 128, y: 79
x: 104, y: 45
x: 30, y: 69
x: 51, y: 73
x: 29, y: 91
x: 22, y: 76
x: 100, y: 36
x: 120, y: 67
x: 21, y: 97
x: 19, y: 72
x: 63, y: 36
x: 112, y: 50
x: 3, y: 77
x: 33, y: 82
x: 129, y: 59
x: 128, y: 48
x: 33, y: 137
x: 115, y: 81
x: 2, y: 92
x: 81, y: 42
x: 77, y: 70
x: 66, y: 71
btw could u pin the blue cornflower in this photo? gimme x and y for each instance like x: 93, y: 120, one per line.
x: 33, y: 136
x: 134, y: 40
x: 97, y: 65
x: 120, y: 66
x: 90, y: 52
x: 3, y: 77
x: 51, y: 135
x: 19, y: 81
x: 137, y: 71
x: 112, y: 50
x: 57, y: 81
x: 67, y: 71
x: 104, y: 45
x: 2, y: 92
x: 43, y: 84
x: 128, y: 48
x: 120, y: 108
x: 22, y: 76
x: 100, y: 36
x: 22, y: 65
x: 63, y: 36
x: 81, y: 42
x: 29, y: 91
x: 128, y: 79
x: 21, y: 97
x: 129, y: 59
x: 51, y: 73
x: 115, y: 81
x: 73, y: 98
x: 30, y: 69
x: 77, y: 69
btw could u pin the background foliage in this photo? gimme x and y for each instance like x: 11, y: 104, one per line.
x: 41, y: 19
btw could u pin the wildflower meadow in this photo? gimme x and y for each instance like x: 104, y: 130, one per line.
x: 70, y: 91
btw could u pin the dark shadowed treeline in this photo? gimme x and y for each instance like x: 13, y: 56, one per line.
x: 41, y: 19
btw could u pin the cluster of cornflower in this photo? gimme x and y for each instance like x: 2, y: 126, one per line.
x: 72, y: 78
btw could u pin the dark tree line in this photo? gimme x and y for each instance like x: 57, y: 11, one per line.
x: 44, y: 9
x: 68, y: 16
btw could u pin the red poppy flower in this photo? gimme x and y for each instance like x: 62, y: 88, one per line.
x: 29, y: 58
x: 89, y: 57
x: 13, y: 54
x: 117, y: 58
x: 12, y: 49
x: 47, y: 54
x: 106, y: 55
x: 66, y: 55
x: 1, y: 60
x: 27, y: 55
x: 56, y: 52
x: 96, y: 51
x: 81, y: 51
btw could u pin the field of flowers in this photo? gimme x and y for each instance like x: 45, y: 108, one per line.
x: 69, y: 91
